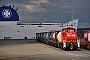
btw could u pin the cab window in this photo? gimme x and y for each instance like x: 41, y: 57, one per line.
x: 65, y: 30
x: 72, y: 30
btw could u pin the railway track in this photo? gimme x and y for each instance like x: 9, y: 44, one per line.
x: 80, y: 52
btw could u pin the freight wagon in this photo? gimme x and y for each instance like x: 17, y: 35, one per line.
x: 85, y: 43
x: 65, y: 39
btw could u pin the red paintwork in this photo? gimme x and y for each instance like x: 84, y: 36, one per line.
x: 86, y: 42
x: 70, y: 33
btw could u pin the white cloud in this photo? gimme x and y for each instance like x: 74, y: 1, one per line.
x: 29, y: 8
x: 38, y: 2
x: 34, y: 8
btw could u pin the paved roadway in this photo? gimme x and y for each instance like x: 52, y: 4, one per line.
x: 32, y: 50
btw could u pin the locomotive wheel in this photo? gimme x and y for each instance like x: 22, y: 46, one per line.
x: 75, y: 47
x: 67, y: 48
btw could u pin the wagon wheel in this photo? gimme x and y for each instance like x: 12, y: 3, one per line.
x: 56, y: 45
x: 47, y: 42
x: 61, y: 46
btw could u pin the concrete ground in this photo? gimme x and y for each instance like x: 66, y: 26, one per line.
x: 32, y: 50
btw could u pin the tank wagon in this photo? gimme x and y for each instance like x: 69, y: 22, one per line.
x: 65, y: 39
x: 85, y: 43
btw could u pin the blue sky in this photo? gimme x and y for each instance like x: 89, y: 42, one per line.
x: 51, y: 10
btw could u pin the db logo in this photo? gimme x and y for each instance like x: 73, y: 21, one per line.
x: 6, y: 13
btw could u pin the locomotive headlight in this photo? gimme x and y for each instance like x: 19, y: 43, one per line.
x: 73, y: 35
x: 68, y: 35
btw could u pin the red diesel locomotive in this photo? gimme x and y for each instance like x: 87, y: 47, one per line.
x: 69, y: 39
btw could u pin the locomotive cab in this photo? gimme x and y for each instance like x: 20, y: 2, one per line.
x: 69, y: 38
